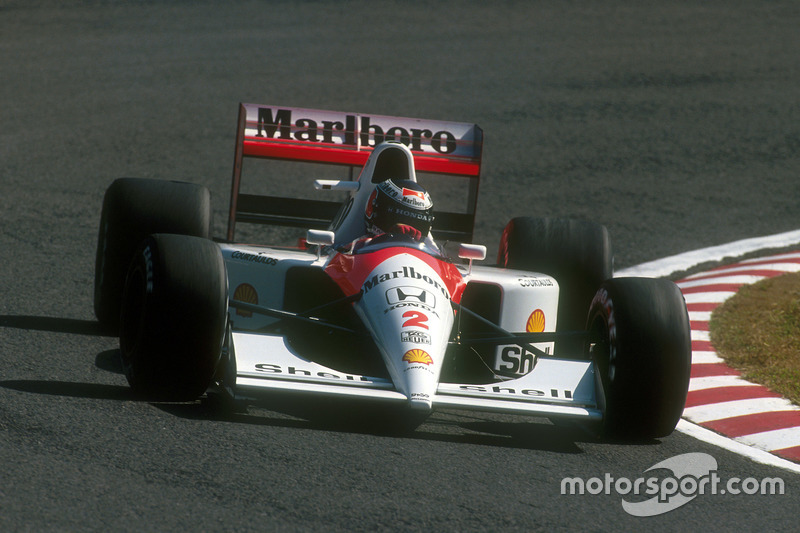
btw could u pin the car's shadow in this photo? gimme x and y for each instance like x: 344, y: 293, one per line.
x: 109, y: 361
x: 92, y: 391
x: 54, y: 324
x: 441, y: 427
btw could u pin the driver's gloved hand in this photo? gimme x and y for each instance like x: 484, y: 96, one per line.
x: 406, y: 230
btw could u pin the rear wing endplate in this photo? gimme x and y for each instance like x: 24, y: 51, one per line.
x: 338, y: 138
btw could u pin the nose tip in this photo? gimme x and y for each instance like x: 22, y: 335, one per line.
x: 420, y: 404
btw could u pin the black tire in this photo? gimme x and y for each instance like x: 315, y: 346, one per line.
x: 134, y: 208
x: 174, y: 315
x: 576, y: 253
x: 643, y: 358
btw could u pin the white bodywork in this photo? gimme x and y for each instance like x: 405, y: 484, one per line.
x: 409, y: 312
x: 265, y: 362
x: 410, y: 319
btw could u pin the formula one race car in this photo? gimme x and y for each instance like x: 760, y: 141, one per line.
x: 385, y: 317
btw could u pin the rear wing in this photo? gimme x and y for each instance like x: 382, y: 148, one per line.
x: 337, y: 138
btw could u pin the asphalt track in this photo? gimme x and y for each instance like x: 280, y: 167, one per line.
x: 675, y: 124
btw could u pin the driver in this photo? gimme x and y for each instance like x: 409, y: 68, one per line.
x: 397, y: 207
x: 401, y: 207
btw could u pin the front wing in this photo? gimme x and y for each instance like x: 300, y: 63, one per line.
x: 555, y: 388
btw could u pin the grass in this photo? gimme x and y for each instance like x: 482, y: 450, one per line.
x: 757, y: 331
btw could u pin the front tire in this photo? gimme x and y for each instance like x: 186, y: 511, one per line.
x: 174, y: 316
x: 643, y: 356
x: 134, y: 208
x: 576, y: 253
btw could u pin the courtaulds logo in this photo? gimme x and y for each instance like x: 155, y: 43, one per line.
x: 418, y: 356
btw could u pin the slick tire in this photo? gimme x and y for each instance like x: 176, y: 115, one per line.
x: 174, y: 316
x: 643, y: 355
x: 134, y: 208
x: 576, y: 253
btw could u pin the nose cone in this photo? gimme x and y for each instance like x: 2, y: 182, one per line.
x: 420, y: 377
x: 419, y: 404
x: 407, y: 309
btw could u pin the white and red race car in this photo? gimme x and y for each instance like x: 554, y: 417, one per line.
x: 397, y: 322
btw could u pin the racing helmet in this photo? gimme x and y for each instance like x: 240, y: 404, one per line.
x: 399, y: 201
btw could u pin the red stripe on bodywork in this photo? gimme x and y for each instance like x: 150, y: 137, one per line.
x: 350, y: 271
x: 354, y: 157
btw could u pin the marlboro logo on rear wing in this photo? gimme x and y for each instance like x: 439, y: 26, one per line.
x: 337, y: 138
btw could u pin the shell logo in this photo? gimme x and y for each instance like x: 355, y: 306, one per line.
x: 417, y: 356
x: 245, y: 293
x: 535, y: 322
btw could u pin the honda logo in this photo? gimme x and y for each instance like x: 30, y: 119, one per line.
x: 397, y: 295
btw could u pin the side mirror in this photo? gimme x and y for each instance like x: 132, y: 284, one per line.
x: 336, y: 185
x: 471, y: 252
x: 320, y: 238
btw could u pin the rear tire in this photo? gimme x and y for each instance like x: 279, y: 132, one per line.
x: 576, y: 253
x: 643, y: 357
x: 134, y: 208
x: 174, y: 315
